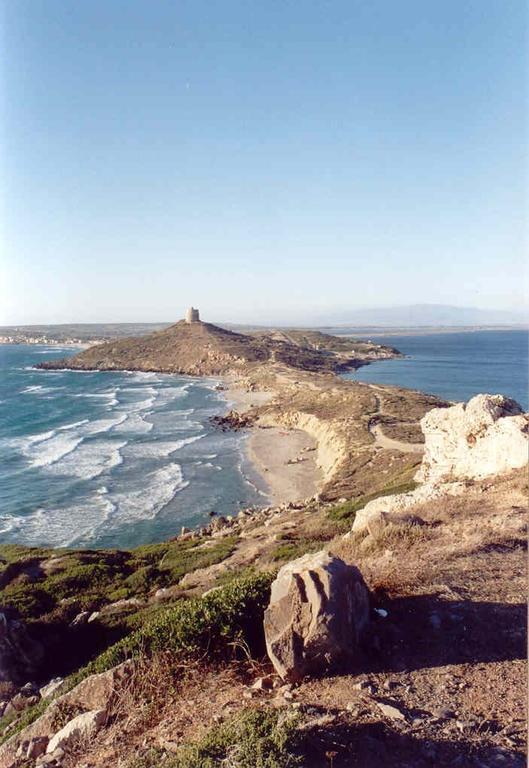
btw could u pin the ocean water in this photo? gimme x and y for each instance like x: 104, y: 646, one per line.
x: 456, y: 366
x: 103, y: 459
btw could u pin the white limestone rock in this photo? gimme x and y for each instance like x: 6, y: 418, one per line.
x: 487, y: 436
x: 398, y: 503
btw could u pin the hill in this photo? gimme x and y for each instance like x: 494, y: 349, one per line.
x: 203, y: 349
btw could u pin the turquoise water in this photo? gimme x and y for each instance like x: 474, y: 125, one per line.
x: 111, y: 459
x: 456, y: 366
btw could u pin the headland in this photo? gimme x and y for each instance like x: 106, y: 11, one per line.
x: 311, y: 431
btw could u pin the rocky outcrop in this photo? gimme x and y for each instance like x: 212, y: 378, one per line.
x: 487, y: 436
x: 398, y: 503
x: 234, y: 421
x: 318, y: 611
x: 92, y: 698
x: 81, y: 727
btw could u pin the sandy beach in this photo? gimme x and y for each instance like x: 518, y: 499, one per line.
x: 285, y: 458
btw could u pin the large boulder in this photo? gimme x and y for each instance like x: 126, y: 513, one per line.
x: 487, y: 436
x: 318, y: 611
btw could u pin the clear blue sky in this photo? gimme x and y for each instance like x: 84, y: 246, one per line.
x: 263, y: 160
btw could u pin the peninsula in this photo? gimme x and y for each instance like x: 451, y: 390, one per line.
x: 288, y: 382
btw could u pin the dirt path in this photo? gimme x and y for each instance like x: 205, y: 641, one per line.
x: 393, y: 445
x: 381, y: 439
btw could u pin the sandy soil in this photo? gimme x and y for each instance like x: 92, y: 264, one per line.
x: 394, y: 445
x: 243, y: 400
x: 270, y: 449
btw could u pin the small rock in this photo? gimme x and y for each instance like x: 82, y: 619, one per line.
x: 417, y: 722
x: 9, y: 710
x: 262, y: 684
x: 464, y: 725
x: 52, y: 759
x: 36, y: 747
x: 389, y: 685
x: 21, y: 702
x: 389, y: 711
x: 50, y: 688
x: 80, y: 619
x: 82, y: 726
x: 443, y: 713
x: 365, y: 686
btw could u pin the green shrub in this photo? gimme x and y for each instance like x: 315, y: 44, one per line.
x: 87, y: 580
x: 290, y: 550
x: 28, y: 599
x: 139, y: 582
x: 346, y: 512
x: 251, y: 739
x: 213, y: 623
x: 224, y: 616
x: 186, y: 556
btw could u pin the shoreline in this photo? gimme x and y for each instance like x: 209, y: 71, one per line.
x: 283, y: 458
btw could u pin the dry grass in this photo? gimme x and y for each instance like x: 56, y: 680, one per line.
x: 162, y: 704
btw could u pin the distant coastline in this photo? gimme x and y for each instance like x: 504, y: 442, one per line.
x: 90, y: 334
x: 381, y: 330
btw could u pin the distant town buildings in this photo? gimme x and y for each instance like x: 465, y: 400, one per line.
x: 22, y: 338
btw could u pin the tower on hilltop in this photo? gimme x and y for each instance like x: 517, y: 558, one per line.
x: 192, y: 315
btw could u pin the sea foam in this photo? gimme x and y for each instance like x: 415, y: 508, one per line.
x: 90, y: 459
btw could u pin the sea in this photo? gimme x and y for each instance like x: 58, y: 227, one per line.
x: 105, y: 459
x: 455, y: 366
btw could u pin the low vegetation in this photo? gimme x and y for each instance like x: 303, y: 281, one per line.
x: 39, y: 586
x: 218, y: 624
x: 345, y: 512
x: 219, y: 619
x: 251, y: 739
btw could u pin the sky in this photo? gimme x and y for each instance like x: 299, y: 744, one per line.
x: 265, y: 161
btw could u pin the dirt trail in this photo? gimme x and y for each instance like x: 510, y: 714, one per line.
x: 381, y: 439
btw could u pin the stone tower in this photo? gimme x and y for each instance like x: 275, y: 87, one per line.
x: 192, y: 315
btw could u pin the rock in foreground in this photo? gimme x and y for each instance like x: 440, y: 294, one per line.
x: 487, y: 436
x: 318, y: 611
